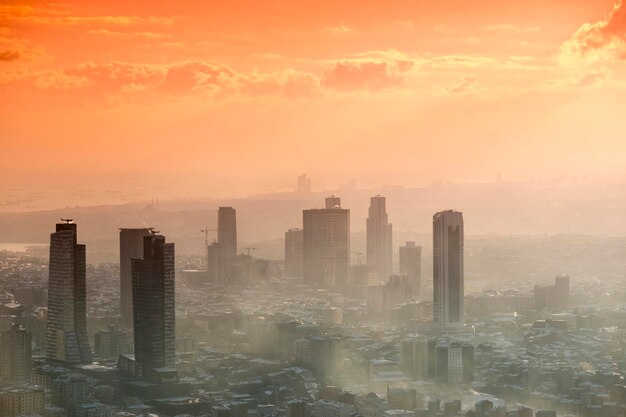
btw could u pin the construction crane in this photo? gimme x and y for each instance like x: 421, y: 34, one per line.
x: 206, y: 231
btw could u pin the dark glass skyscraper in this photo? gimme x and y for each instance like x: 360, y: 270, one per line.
x: 131, y: 246
x: 66, y: 334
x: 227, y: 231
x: 378, y: 231
x: 448, y: 284
x: 326, y: 245
x: 154, y: 306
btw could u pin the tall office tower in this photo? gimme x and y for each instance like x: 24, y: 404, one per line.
x: 332, y: 202
x: 378, y: 230
x: 131, y: 246
x: 326, y: 245
x: 304, y: 184
x: 16, y: 354
x: 227, y: 231
x: 216, y: 263
x: 411, y: 265
x: 448, y: 283
x: 154, y: 307
x: 293, y: 253
x: 66, y: 333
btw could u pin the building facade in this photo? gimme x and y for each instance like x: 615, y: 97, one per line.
x: 411, y: 266
x: 326, y: 245
x: 16, y: 354
x: 227, y: 231
x: 131, y: 246
x: 66, y: 333
x: 379, y: 238
x: 154, y: 307
x: 293, y: 253
x: 448, y: 283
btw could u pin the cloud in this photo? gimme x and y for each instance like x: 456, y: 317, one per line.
x: 466, y: 84
x: 117, y: 80
x: 459, y: 61
x: 507, y: 27
x: 600, y: 41
x: 145, y: 35
x: 338, y: 29
x: 15, y: 49
x: 370, y: 71
x: 58, y: 15
x: 9, y: 55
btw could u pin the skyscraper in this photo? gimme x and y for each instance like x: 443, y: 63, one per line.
x: 332, y: 202
x: 411, y: 265
x: 131, y: 246
x: 448, y: 285
x: 293, y: 253
x: 304, y: 184
x: 154, y: 306
x: 378, y: 230
x: 326, y: 245
x: 216, y: 257
x: 16, y: 354
x: 227, y: 231
x: 66, y: 333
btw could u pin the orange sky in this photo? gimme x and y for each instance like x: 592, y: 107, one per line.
x: 244, y: 95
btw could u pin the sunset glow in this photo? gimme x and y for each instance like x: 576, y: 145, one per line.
x: 387, y: 92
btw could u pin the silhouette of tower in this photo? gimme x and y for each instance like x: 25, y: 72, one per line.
x: 326, y: 245
x: 448, y: 285
x: 66, y: 333
x: 293, y: 253
x: 411, y: 265
x: 131, y: 246
x: 154, y: 306
x: 379, y: 236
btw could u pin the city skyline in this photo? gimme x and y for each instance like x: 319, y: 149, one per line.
x: 330, y: 208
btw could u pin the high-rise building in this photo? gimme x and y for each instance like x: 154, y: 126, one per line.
x: 227, y: 232
x: 304, y: 184
x: 326, y: 245
x: 332, y: 202
x: 111, y: 343
x: 561, y: 291
x: 66, y: 334
x: 293, y: 253
x: 23, y: 401
x: 411, y: 265
x: 70, y: 391
x: 16, y: 354
x: 326, y: 355
x: 154, y: 307
x: 414, y: 357
x: 131, y: 246
x: 378, y: 231
x: 448, y: 285
x: 216, y: 258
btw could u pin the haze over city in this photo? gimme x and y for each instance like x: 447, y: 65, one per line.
x: 313, y: 209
